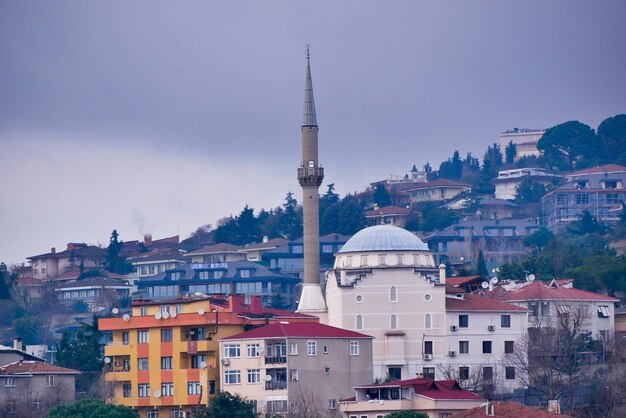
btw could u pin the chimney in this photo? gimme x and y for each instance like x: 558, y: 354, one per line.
x: 256, y: 304
x: 53, y: 250
x: 442, y: 273
x: 147, y: 240
x: 17, y: 343
x: 490, y: 409
x: 235, y: 302
x: 554, y: 406
x: 70, y: 246
x: 265, y: 238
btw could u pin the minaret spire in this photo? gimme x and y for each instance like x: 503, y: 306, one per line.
x: 309, y: 118
x: 310, y: 177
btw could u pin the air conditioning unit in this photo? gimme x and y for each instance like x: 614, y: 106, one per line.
x: 454, y: 328
x: 491, y: 327
x: 225, y: 362
x: 428, y: 357
x: 452, y: 353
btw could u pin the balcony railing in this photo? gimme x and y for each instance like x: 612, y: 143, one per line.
x: 275, y: 385
x: 276, y: 360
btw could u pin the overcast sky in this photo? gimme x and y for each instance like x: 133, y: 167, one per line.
x: 157, y: 117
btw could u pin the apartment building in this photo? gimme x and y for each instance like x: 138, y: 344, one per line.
x: 164, y: 358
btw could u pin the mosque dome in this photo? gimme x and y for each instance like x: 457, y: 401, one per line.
x: 383, y: 238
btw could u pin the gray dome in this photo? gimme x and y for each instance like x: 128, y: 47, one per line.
x: 383, y: 238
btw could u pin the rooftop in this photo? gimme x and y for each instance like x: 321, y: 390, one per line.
x: 215, y: 249
x: 297, y: 330
x: 383, y: 238
x: 33, y: 367
x: 388, y: 210
x: 441, y: 182
x: 608, y: 168
x: 434, y: 389
x: 540, y: 291
x: 506, y: 409
x: 473, y: 302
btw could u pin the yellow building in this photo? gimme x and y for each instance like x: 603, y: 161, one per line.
x: 164, y: 358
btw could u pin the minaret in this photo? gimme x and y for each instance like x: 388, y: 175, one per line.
x: 310, y: 176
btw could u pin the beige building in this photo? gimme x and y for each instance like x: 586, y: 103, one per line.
x: 49, y: 265
x: 525, y: 141
x: 290, y: 367
x: 389, y: 215
x: 216, y: 253
x: 437, y: 190
x: 385, y: 284
x: 436, y: 399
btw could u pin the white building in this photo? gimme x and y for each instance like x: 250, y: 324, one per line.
x: 385, y: 284
x: 525, y: 141
x: 508, y: 180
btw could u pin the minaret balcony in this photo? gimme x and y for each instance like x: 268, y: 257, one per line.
x: 310, y: 176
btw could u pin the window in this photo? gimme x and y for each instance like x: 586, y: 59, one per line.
x: 281, y: 349
x: 509, y: 347
x: 582, y: 184
x: 428, y: 372
x: 127, y: 390
x: 293, y: 349
x: 231, y: 351
x: 363, y: 261
x: 179, y: 309
x: 463, y: 347
x: 326, y: 248
x: 332, y: 404
x: 9, y: 382
x: 51, y: 380
x: 359, y: 322
x: 193, y: 388
x: 324, y: 349
x: 311, y: 348
x: 153, y: 413
x: 253, y: 350
x: 167, y: 389
x: 395, y: 373
x: 393, y: 322
x: 143, y: 311
x: 232, y: 377
x: 382, y: 260
x: 244, y: 274
x: 144, y: 390
x: 428, y: 347
x: 603, y: 312
x: 143, y: 363
x: 166, y: 363
x: 126, y: 364
x: 354, y: 348
x: 254, y: 376
x: 175, y: 275
x: 400, y: 259
x: 125, y: 338
x: 143, y: 337
x: 534, y: 309
x: 293, y: 375
x: 463, y: 321
x: 198, y: 361
x: 509, y: 373
x: 349, y: 261
x: 612, y: 198
x: 487, y: 373
x: 428, y: 321
x: 582, y: 199
x: 463, y: 373
x: 505, y: 321
x: 327, y: 370
x: 486, y: 347
x: 197, y: 334
x: 166, y: 335
x: 393, y: 294
x: 177, y: 413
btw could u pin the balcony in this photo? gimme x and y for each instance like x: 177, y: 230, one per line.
x: 117, y: 376
x: 276, y: 360
x: 280, y: 385
x: 117, y: 349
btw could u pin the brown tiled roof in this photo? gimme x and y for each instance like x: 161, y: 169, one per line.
x: 460, y: 281
x: 507, y: 409
x: 540, y: 291
x: 29, y: 281
x: 608, y: 168
x: 472, y: 302
x: 34, y: 367
x: 388, y: 210
x: 215, y: 248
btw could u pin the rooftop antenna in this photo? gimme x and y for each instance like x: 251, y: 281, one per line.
x: 308, y: 53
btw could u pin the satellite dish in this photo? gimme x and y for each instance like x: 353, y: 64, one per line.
x: 493, y: 280
x: 126, y: 317
x: 166, y: 315
x: 484, y: 285
x: 173, y: 314
x: 203, y: 365
x: 531, y: 277
x: 115, y: 311
x: 201, y: 312
x: 157, y: 393
x: 157, y: 315
x: 107, y: 360
x: 268, y: 378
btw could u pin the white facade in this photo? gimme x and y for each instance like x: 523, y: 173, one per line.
x: 508, y: 180
x: 525, y: 141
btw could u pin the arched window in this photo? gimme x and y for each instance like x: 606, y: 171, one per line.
x: 393, y: 322
x: 311, y: 164
x: 393, y: 294
x: 428, y: 321
x: 359, y: 322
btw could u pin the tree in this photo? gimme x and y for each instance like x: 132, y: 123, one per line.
x: 114, y: 262
x: 406, y: 414
x: 568, y: 146
x: 539, y: 238
x: 481, y: 266
x: 290, y: 221
x: 612, y: 136
x: 5, y: 285
x: 586, y: 224
x: 434, y: 217
x: 381, y: 196
x: 91, y: 408
x: 510, y: 152
x: 29, y: 328
x: 226, y: 405
x: 528, y: 191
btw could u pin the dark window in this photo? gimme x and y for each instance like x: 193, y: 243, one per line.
x: 487, y: 373
x: 463, y: 347
x: 505, y: 321
x: 509, y: 373
x: 428, y: 347
x: 463, y: 321
x: 509, y: 347
x: 166, y: 335
x: 395, y: 373
x: 428, y: 372
x: 211, y: 387
x: 463, y: 373
x: 486, y: 347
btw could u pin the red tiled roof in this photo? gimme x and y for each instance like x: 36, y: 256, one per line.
x: 540, y: 291
x: 297, y: 330
x: 34, y: 367
x: 434, y: 389
x: 472, y: 302
x: 440, y: 183
x: 608, y: 168
x: 460, y: 281
x: 507, y: 409
x: 215, y: 248
x: 388, y: 210
x: 29, y: 281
